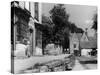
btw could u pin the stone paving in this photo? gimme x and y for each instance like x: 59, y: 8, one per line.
x: 78, y: 66
x: 23, y: 64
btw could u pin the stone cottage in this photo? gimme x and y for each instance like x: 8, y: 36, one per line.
x: 80, y: 42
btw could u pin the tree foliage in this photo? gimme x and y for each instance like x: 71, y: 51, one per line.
x: 60, y: 18
x: 58, y: 26
x: 75, y: 29
x: 47, y: 29
x: 95, y: 22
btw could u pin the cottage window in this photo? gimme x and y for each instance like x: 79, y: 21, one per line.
x: 74, y: 45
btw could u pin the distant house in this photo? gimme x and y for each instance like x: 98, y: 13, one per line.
x: 75, y: 41
x: 88, y: 42
x: 79, y: 41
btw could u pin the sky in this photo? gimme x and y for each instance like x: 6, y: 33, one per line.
x: 81, y: 15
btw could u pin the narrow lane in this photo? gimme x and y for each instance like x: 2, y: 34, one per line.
x: 78, y: 66
x: 88, y: 62
x: 83, y: 66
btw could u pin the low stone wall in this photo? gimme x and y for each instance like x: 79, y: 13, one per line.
x: 54, y: 65
x: 23, y: 64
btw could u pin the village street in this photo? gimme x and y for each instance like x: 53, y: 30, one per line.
x: 23, y: 64
x: 80, y: 62
x: 59, y: 38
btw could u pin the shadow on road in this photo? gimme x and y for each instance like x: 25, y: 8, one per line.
x: 89, y: 62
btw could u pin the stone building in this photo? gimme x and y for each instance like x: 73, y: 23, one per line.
x: 19, y: 23
x: 24, y: 18
x: 81, y: 42
x: 75, y: 42
x: 88, y: 43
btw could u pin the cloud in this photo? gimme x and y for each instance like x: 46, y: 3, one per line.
x: 89, y: 23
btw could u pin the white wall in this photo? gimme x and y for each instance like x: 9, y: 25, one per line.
x: 22, y: 4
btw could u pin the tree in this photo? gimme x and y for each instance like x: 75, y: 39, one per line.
x: 79, y: 30
x: 95, y: 22
x: 47, y: 30
x: 61, y: 26
x: 74, y: 28
x: 57, y: 26
x: 59, y: 17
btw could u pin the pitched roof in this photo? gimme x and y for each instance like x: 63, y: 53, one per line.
x: 91, y: 43
x: 79, y: 35
x: 74, y: 36
x: 84, y: 37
